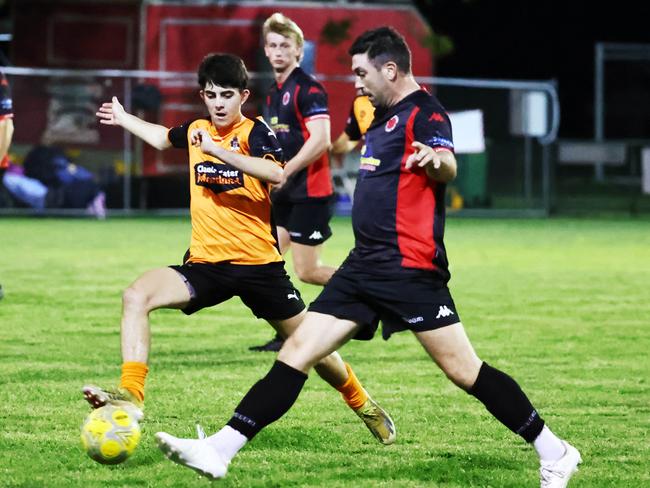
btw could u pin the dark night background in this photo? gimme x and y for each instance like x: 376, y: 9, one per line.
x: 541, y: 40
x: 545, y: 40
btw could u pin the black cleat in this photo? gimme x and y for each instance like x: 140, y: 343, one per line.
x: 274, y: 345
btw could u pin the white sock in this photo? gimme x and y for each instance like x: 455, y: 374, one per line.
x: 549, y: 447
x: 227, y: 442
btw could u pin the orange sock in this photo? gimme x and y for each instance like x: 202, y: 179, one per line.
x: 353, y: 393
x: 133, y: 376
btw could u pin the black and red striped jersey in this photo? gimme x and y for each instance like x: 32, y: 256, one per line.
x: 289, y: 106
x: 398, y: 215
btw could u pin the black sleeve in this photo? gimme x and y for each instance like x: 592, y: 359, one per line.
x: 312, y: 100
x: 178, y: 135
x: 433, y: 128
x: 264, y: 144
x: 352, y: 126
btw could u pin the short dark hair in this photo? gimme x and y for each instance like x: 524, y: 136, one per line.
x: 382, y: 45
x: 225, y: 70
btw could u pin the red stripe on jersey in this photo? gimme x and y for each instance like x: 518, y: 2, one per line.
x: 317, y: 116
x: 318, y: 181
x: 415, y: 210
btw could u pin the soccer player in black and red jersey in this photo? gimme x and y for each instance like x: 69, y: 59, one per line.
x: 296, y: 108
x: 398, y: 270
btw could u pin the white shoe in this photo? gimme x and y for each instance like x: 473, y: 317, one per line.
x: 556, y: 474
x: 196, y: 454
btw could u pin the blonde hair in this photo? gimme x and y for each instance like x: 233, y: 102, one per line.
x: 281, y: 24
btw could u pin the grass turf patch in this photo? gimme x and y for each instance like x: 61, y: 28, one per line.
x: 561, y: 305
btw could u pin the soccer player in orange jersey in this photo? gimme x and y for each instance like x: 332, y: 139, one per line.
x: 233, y: 160
x: 360, y: 118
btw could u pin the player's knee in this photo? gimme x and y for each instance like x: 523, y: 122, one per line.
x: 290, y: 347
x: 134, y: 298
x: 462, y: 373
x: 307, y: 273
x: 294, y: 353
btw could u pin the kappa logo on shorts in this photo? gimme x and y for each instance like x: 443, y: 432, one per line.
x: 316, y: 235
x: 444, y: 311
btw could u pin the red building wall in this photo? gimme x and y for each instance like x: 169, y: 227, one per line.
x: 175, y: 37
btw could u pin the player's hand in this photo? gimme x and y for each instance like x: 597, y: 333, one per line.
x: 424, y: 155
x: 111, y: 113
x: 201, y: 138
x: 282, y: 182
x: 287, y: 173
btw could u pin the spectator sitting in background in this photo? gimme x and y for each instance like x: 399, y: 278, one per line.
x: 26, y: 190
x: 69, y: 185
x: 48, y: 179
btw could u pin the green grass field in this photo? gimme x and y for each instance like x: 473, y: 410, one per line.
x: 561, y: 305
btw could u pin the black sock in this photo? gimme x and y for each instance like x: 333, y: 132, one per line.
x: 504, y: 399
x: 268, y: 400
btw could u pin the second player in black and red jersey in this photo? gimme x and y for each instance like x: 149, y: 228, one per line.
x: 296, y: 109
x: 289, y: 107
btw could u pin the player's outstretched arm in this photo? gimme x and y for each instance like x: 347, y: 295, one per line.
x: 343, y: 144
x: 113, y: 113
x: 260, y: 168
x: 440, y: 164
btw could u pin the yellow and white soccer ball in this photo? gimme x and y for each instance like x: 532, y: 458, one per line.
x: 110, y: 435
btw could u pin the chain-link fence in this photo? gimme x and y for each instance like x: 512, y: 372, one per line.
x: 504, y: 132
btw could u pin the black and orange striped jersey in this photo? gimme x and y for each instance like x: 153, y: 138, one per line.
x: 361, y: 115
x: 230, y: 210
x: 6, y: 109
x: 289, y: 106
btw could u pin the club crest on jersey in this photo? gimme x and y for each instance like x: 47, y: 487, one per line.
x: 234, y: 144
x: 392, y: 123
x: 217, y: 177
x: 285, y: 98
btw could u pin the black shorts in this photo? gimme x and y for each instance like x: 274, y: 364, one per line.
x: 266, y: 288
x: 415, y: 301
x: 306, y: 222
